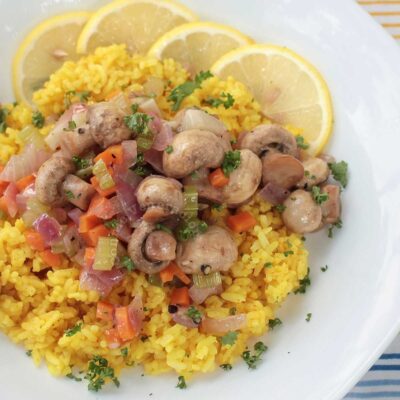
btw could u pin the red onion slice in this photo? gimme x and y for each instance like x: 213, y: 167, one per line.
x: 223, y: 325
x: 48, y: 227
x: 199, y: 295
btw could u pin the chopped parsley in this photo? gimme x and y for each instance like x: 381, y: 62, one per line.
x: 339, y: 171
x: 319, y: 197
x: 126, y: 262
x: 190, y: 229
x: 272, y: 323
x: 181, y: 382
x: 162, y: 227
x: 338, y: 225
x: 29, y: 353
x: 38, y: 119
x: 308, y: 318
x: 82, y: 97
x: 139, y: 123
x: 324, y: 269
x: 229, y: 339
x: 124, y: 352
x: 80, y: 163
x: 232, y: 311
x: 141, y: 168
x: 301, y: 143
x: 288, y: 253
x: 184, y: 90
x: 226, y: 100
x: 169, y: 149
x: 218, y: 207
x: 3, y: 119
x: 73, y: 377
x: 226, y: 367
x: 252, y: 359
x: 231, y: 162
x: 71, y: 126
x: 194, y: 314
x: 74, y: 330
x: 111, y: 223
x: 69, y: 195
x: 280, y: 208
x: 268, y: 265
x: 98, y: 372
x: 194, y: 175
x: 304, y: 283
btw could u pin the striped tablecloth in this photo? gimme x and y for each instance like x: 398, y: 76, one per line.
x: 382, y: 381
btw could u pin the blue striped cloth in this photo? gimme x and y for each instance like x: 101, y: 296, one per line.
x: 382, y: 381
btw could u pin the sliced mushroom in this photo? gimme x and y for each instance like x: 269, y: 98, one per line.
x: 215, y: 249
x: 160, y: 246
x: 316, y: 171
x: 331, y: 208
x: 160, y: 197
x: 137, y: 249
x: 50, y: 178
x: 77, y: 191
x: 282, y: 170
x: 192, y: 150
x: 199, y: 179
x: 301, y: 214
x: 243, y: 181
x: 264, y: 138
x: 107, y: 127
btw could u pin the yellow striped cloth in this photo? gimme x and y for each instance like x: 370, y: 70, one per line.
x: 386, y: 12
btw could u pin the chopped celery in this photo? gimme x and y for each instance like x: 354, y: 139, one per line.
x: 32, y: 135
x: 207, y: 281
x: 100, y: 171
x: 155, y: 280
x: 191, y: 206
x: 106, y: 253
x: 85, y: 172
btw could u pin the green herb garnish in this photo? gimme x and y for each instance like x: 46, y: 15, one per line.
x: 98, y: 372
x: 184, y: 90
x: 3, y: 119
x: 268, y: 265
x: 304, y: 283
x: 280, y: 208
x: 73, y: 377
x: 69, y: 195
x: 126, y: 262
x: 139, y: 123
x: 226, y: 100
x: 252, y: 359
x: 229, y: 339
x: 141, y: 168
x: 194, y: 314
x: 218, y: 207
x: 38, y: 119
x: 29, y: 353
x: 181, y: 382
x: 232, y: 311
x: 324, y: 269
x: 226, y: 367
x: 169, y: 149
x: 301, y: 143
x: 190, y: 229
x: 162, y: 227
x: 80, y: 163
x: 288, y: 253
x: 319, y: 197
x: 82, y: 96
x: 308, y: 318
x: 111, y: 223
x: 272, y: 323
x: 124, y: 352
x: 74, y: 330
x: 338, y: 225
x: 339, y: 171
x: 231, y: 162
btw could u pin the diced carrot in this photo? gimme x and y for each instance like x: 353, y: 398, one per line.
x: 105, y: 193
x: 180, y: 297
x: 168, y: 273
x: 112, y: 338
x: 87, y: 222
x: 25, y: 182
x: 104, y: 311
x: 218, y: 179
x: 112, y: 94
x: 97, y: 199
x: 92, y: 236
x: 241, y: 222
x: 123, y: 324
x: 35, y: 240
x: 51, y: 259
x: 88, y: 258
x: 110, y: 156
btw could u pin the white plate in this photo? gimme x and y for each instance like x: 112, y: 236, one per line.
x: 354, y: 304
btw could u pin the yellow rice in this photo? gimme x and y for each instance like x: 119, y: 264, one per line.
x: 36, y: 309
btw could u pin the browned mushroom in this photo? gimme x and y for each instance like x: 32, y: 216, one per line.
x: 331, y: 208
x: 77, y: 191
x: 301, y: 213
x: 316, y: 171
x: 160, y: 246
x: 160, y: 197
x: 77, y: 141
x: 215, y: 249
x: 282, y: 170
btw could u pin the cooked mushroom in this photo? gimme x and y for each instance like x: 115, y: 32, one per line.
x: 77, y: 191
x: 193, y: 149
x: 316, y: 171
x: 214, y: 249
x: 274, y: 194
x: 137, y: 249
x: 160, y: 197
x: 243, y: 181
x: 199, y: 179
x: 301, y: 214
x: 264, y: 138
x: 50, y: 178
x: 77, y: 142
x: 160, y: 246
x: 331, y: 208
x: 107, y: 127
x: 282, y: 170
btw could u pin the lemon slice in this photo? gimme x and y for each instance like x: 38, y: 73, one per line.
x: 290, y: 90
x: 137, y: 23
x: 44, y: 50
x: 198, y: 45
